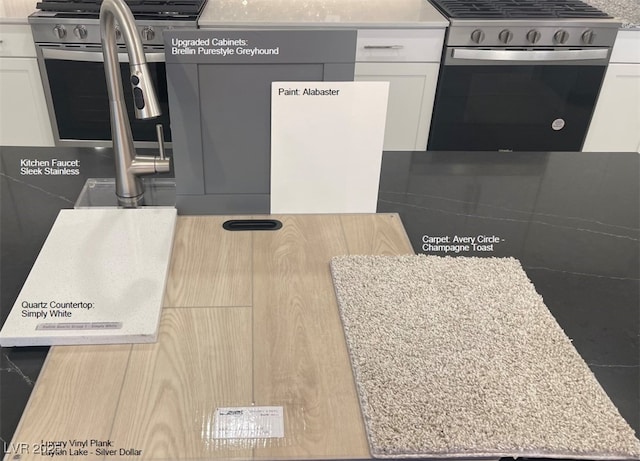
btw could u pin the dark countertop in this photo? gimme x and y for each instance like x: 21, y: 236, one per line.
x: 572, y: 219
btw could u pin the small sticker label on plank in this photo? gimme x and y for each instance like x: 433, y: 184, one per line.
x: 249, y: 422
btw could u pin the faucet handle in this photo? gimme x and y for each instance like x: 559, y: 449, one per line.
x: 160, y: 135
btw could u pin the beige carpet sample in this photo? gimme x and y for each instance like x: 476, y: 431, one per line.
x: 460, y: 357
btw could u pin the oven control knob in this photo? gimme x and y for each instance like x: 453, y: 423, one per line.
x: 588, y: 36
x: 59, y: 31
x: 505, y: 36
x: 533, y: 36
x: 80, y: 32
x: 477, y: 36
x: 148, y: 33
x: 561, y: 36
x: 118, y: 33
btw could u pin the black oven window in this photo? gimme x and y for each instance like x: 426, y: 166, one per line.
x: 80, y: 101
x: 504, y: 94
x: 514, y: 107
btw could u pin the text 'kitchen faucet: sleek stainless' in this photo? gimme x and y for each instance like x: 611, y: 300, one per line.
x: 129, y: 166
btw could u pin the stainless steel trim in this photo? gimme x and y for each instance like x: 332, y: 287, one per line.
x: 533, y: 22
x: 383, y: 47
x: 529, y: 55
x: 106, y: 144
x: 92, y: 56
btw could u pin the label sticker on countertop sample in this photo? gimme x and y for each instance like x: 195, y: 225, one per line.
x: 49, y: 167
x: 79, y: 326
x: 249, y: 422
x: 460, y: 243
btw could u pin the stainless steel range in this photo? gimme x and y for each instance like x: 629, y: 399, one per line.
x: 519, y: 75
x: 67, y: 37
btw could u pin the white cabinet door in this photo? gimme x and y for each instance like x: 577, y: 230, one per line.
x: 412, y: 88
x: 24, y: 120
x: 615, y: 126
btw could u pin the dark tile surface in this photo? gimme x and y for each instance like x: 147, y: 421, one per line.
x: 571, y: 219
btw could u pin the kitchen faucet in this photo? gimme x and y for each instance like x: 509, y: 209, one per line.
x: 129, y: 165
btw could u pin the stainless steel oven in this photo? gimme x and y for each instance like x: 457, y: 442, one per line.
x: 522, y: 75
x: 67, y: 38
x: 516, y: 100
x: 77, y: 99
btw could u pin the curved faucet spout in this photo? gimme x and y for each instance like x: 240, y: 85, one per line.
x: 145, y: 97
x: 129, y: 187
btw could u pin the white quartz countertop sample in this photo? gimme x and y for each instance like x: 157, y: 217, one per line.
x: 16, y: 11
x: 99, y: 279
x: 322, y: 13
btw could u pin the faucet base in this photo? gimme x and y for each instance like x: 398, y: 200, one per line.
x: 130, y: 202
x: 101, y: 192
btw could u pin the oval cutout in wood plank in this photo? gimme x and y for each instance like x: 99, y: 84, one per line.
x: 252, y: 225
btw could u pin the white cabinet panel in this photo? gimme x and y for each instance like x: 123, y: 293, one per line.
x: 627, y: 47
x: 615, y: 126
x: 24, y: 120
x: 411, y: 93
x: 16, y: 41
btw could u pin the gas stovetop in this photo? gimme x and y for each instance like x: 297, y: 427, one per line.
x: 517, y: 9
x: 151, y: 9
x: 77, y: 21
x: 527, y: 23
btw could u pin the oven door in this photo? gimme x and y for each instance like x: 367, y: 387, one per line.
x: 516, y: 100
x: 77, y: 99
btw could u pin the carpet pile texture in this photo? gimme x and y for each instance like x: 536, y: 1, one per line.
x: 460, y: 357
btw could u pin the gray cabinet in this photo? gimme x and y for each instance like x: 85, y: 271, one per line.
x: 221, y: 107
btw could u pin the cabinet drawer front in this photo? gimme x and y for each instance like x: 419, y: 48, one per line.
x: 16, y: 41
x: 404, y: 45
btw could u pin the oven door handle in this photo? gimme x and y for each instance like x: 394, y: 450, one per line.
x: 530, y: 55
x: 93, y: 56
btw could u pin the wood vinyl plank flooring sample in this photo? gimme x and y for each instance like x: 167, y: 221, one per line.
x: 375, y: 234
x: 75, y: 398
x: 202, y: 361
x: 210, y: 266
x: 300, y: 355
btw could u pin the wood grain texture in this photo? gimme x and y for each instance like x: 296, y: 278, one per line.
x: 210, y: 266
x: 75, y: 398
x: 202, y: 361
x: 300, y: 357
x: 375, y: 234
x: 285, y: 347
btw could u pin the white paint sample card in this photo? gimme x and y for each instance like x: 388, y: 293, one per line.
x: 249, y: 423
x: 326, y: 146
